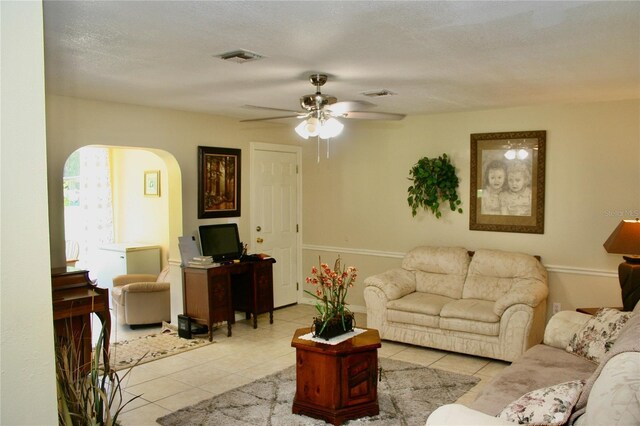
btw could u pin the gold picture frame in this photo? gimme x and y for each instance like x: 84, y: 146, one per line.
x: 152, y: 183
x: 507, y: 181
x: 218, y: 182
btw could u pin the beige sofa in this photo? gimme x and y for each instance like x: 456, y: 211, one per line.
x: 141, y: 299
x: 490, y: 304
x: 610, y: 396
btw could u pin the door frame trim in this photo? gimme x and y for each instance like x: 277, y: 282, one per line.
x: 297, y: 150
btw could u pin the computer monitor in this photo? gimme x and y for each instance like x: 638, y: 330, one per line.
x: 221, y: 242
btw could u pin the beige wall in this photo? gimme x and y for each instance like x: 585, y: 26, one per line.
x: 354, y: 203
x: 27, y: 371
x: 73, y: 123
x: 139, y: 218
x: 172, y: 135
x: 359, y: 205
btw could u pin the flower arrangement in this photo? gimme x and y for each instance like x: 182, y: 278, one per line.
x: 331, y: 288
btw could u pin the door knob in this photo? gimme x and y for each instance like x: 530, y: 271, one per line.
x: 258, y: 228
x: 259, y: 240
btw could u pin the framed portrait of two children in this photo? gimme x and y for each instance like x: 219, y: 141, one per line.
x: 507, y: 181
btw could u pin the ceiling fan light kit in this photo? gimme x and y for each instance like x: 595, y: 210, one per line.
x: 320, y: 112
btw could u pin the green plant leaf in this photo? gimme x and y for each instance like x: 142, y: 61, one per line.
x: 434, y: 182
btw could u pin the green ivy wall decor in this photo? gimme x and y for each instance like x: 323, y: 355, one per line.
x: 434, y: 182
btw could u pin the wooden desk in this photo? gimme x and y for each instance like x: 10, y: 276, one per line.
x: 75, y: 298
x: 214, y: 294
x: 337, y: 383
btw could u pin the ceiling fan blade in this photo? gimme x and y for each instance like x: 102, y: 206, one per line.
x: 344, y: 107
x: 273, y: 118
x: 360, y: 115
x: 269, y: 108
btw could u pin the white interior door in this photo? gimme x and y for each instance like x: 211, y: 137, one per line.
x: 275, y: 195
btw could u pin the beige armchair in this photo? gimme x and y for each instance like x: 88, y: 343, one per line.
x: 142, y: 298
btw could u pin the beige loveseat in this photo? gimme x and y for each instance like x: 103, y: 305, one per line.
x: 491, y: 304
x: 611, y: 391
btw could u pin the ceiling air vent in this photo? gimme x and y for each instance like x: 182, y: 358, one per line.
x: 239, y: 56
x: 378, y: 93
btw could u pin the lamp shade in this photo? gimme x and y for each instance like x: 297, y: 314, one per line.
x: 625, y: 239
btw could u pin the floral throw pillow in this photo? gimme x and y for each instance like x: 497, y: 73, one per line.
x: 598, y: 334
x: 546, y: 406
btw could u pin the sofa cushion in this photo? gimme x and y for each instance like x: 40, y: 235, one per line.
x: 547, y: 406
x: 439, y: 270
x: 423, y: 303
x: 614, y: 398
x: 441, y: 284
x: 470, y: 316
x: 598, y: 334
x: 493, y: 272
x: 470, y: 309
x: 615, y: 389
x: 539, y: 367
x: 471, y: 326
x: 413, y: 319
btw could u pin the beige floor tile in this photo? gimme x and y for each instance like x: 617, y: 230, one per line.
x: 165, y: 366
x: 231, y: 381
x: 184, y: 399
x: 187, y: 378
x: 199, y: 375
x: 132, y: 402
x: 258, y: 371
x: 459, y: 363
x: 156, y: 389
x: 422, y: 356
x: 143, y: 416
x: 136, y: 375
x: 493, y: 367
x: 389, y: 348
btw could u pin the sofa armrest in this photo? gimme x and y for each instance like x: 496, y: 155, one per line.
x: 147, y: 287
x: 526, y: 292
x: 460, y: 415
x: 394, y: 283
x: 562, y: 326
x: 133, y: 278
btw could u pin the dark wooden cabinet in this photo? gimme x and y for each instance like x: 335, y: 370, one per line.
x: 75, y: 297
x: 337, y: 383
x: 213, y: 295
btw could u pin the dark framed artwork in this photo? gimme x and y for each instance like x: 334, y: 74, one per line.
x: 507, y: 181
x: 218, y: 182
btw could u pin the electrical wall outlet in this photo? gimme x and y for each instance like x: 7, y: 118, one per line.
x: 556, y: 308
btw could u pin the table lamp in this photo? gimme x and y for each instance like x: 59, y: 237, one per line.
x: 625, y: 239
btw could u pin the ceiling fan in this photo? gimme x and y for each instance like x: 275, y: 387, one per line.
x: 320, y: 112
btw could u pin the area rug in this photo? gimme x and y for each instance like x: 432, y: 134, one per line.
x: 143, y: 349
x: 407, y: 394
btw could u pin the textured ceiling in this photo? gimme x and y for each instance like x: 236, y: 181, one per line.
x: 436, y: 56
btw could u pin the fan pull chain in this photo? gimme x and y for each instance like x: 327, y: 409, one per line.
x: 328, y: 140
x: 318, y: 144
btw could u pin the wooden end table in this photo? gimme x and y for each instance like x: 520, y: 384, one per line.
x: 337, y: 383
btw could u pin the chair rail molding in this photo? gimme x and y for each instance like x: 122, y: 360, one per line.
x: 399, y: 255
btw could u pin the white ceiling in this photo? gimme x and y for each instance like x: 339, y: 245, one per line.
x: 437, y: 56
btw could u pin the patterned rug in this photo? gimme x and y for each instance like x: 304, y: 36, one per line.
x: 152, y: 347
x: 407, y: 394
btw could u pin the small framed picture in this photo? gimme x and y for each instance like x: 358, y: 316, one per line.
x: 218, y: 182
x: 152, y: 183
x: 507, y: 181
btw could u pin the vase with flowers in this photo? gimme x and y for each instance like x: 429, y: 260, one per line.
x: 331, y: 288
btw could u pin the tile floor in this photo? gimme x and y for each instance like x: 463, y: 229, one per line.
x: 181, y: 380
